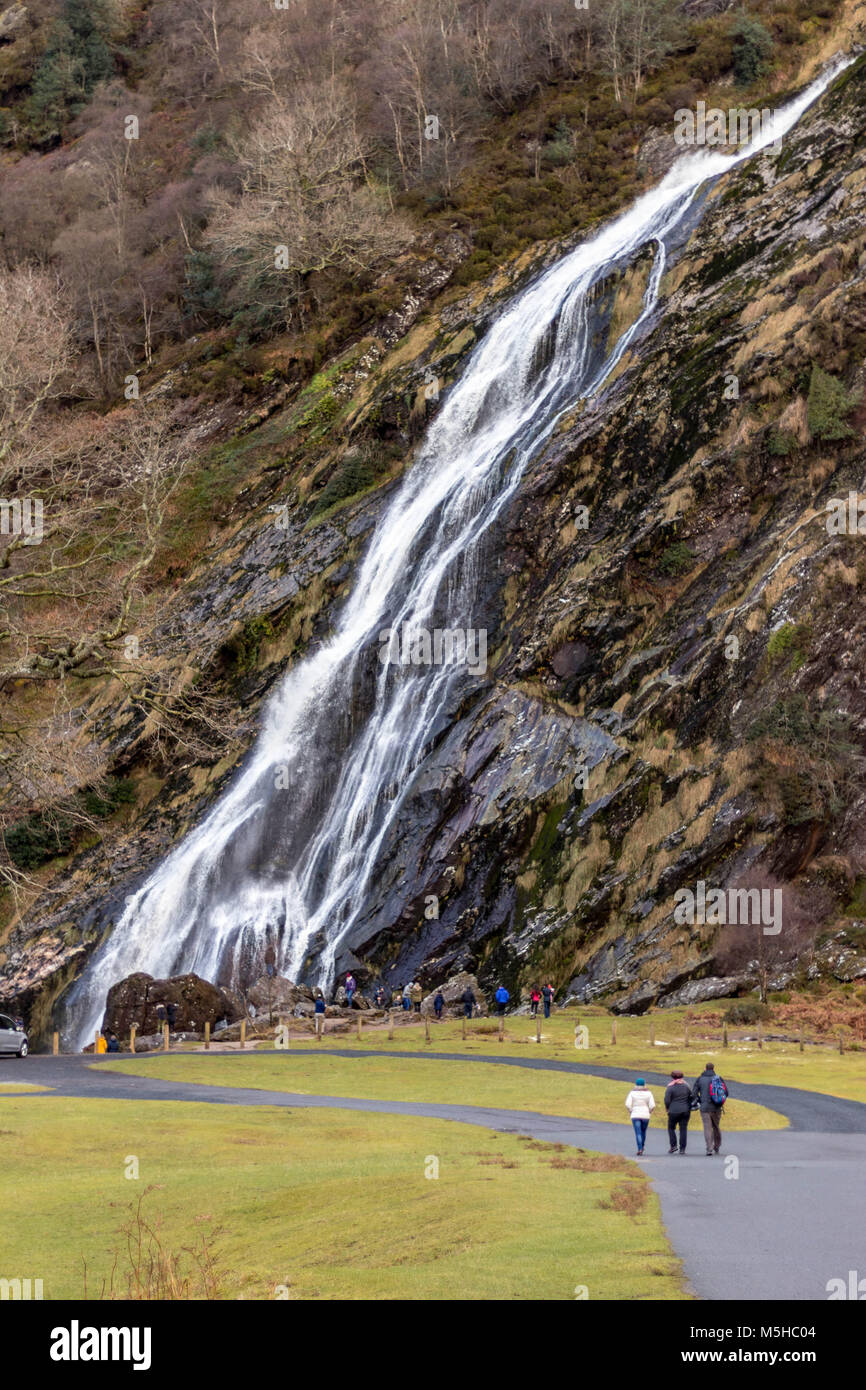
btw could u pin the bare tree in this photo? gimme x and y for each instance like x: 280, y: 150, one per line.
x: 774, y: 928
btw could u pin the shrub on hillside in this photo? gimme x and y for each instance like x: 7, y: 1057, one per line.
x: 827, y: 405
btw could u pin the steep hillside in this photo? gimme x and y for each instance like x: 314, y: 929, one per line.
x: 665, y: 606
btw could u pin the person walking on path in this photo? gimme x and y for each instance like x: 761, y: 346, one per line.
x: 534, y: 1001
x: 319, y: 1013
x: 417, y: 996
x: 640, y: 1103
x: 439, y: 1005
x: 270, y: 962
x: 710, y: 1093
x: 678, y: 1104
x: 468, y: 1002
x: 351, y: 986
x: 502, y: 997
x: 547, y: 996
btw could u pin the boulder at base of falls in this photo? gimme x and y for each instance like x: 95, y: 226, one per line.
x: 135, y: 999
x: 452, y: 993
x: 280, y: 995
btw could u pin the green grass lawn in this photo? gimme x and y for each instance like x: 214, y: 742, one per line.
x: 19, y: 1088
x: 385, y: 1078
x: 323, y: 1204
x: 817, y: 1068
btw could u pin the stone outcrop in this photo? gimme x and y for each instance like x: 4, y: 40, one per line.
x: 135, y: 999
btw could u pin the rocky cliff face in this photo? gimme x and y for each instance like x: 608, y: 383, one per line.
x: 674, y: 691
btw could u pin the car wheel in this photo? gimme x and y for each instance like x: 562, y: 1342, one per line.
x: 22, y: 1051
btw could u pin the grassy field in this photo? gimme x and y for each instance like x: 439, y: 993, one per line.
x: 268, y: 1203
x: 384, y: 1078
x: 820, y: 1067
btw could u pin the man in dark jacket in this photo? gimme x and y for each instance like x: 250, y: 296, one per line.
x: 171, y: 1016
x: 468, y: 1002
x: 710, y: 1109
x: 678, y: 1104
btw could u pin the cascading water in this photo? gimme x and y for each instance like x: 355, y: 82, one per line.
x: 288, y: 852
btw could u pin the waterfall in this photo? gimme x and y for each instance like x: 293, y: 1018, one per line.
x: 289, y: 850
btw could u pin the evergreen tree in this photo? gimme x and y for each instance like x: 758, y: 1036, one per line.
x: 77, y: 57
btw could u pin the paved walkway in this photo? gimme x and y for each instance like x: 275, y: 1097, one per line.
x: 790, y: 1220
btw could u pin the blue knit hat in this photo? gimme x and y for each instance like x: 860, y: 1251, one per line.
x: 640, y: 1081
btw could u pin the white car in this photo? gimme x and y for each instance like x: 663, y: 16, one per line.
x: 12, y: 1039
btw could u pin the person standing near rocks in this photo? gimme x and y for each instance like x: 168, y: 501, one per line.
x: 319, y: 1013
x: 710, y: 1093
x: 468, y: 1001
x: 678, y: 1104
x: 351, y: 986
x: 407, y: 997
x: 640, y: 1103
x: 417, y: 996
x: 171, y: 1016
x: 547, y: 996
x: 502, y: 997
x: 270, y: 962
x: 534, y: 1001
x: 439, y: 1005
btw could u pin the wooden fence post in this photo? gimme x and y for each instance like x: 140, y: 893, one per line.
x: 841, y: 1045
x: 464, y: 1027
x: 724, y: 1035
x: 652, y: 1035
x: 801, y: 1040
x: 243, y: 1032
x: 537, y: 1029
x: 760, y: 1037
x: 685, y: 1035
x: 359, y: 1026
x: 613, y: 1033
x: 132, y: 1032
x: 501, y: 1027
x: 207, y: 1036
x: 427, y: 1027
x: 390, y: 1026
x: 165, y: 1037
x: 55, y: 1046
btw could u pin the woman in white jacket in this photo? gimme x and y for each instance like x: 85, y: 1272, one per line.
x: 640, y: 1103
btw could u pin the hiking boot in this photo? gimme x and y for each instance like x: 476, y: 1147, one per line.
x: 682, y: 1151
x: 673, y: 1150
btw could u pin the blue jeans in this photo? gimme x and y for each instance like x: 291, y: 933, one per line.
x: 546, y: 1009
x: 640, y: 1129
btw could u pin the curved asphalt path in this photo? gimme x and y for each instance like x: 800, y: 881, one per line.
x: 790, y: 1220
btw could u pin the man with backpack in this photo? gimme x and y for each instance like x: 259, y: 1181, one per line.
x: 547, y: 996
x: 468, y: 1002
x: 709, y: 1094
